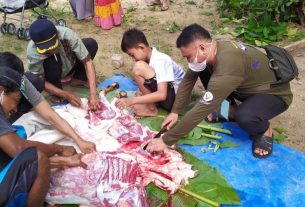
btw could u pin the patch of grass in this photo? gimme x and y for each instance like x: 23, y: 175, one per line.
x: 18, y: 49
x: 56, y: 12
x: 130, y: 9
x: 191, y: 2
x: 299, y: 36
x: 163, y: 47
x: 140, y: 21
x: 173, y: 27
x: 206, y: 13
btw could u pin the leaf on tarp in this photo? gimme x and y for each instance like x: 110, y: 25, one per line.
x: 279, y: 130
x: 227, y: 144
x: 181, y: 199
x: 210, y: 183
x: 194, y: 133
x: 153, y: 191
x: 191, y: 141
x: 153, y: 123
x: 279, y: 138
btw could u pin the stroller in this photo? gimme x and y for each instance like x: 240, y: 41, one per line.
x: 19, y: 6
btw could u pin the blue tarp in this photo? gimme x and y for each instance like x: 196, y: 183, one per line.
x: 278, y: 180
x: 125, y: 83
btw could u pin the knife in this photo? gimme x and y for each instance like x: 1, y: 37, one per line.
x: 158, y: 135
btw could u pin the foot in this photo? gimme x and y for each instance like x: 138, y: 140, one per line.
x: 56, y: 99
x: 153, y: 2
x: 262, y: 146
x: 164, y: 7
x: 67, y: 79
x: 79, y: 83
x: 142, y: 110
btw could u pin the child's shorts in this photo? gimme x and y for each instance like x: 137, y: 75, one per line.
x: 167, y: 104
x: 17, y: 178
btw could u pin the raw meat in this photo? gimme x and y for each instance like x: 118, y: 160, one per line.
x: 119, y: 171
x: 110, y: 180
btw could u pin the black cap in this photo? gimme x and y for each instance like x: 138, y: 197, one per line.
x: 8, y: 74
x: 44, y: 34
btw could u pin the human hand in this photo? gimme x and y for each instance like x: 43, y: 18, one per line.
x: 156, y: 145
x: 93, y: 102
x: 123, y: 103
x: 75, y: 161
x: 73, y: 99
x: 67, y: 151
x: 86, y: 146
x: 170, y: 120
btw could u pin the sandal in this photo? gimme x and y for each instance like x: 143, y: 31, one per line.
x: 265, y: 143
x: 56, y: 100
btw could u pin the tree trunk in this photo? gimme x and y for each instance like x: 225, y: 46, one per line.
x: 300, y: 12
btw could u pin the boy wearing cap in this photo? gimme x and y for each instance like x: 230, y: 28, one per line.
x: 58, y: 53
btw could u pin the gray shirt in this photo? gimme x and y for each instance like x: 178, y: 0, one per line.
x: 31, y: 93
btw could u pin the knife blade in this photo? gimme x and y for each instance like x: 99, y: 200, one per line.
x: 158, y: 135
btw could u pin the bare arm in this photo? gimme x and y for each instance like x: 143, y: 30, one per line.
x: 46, y: 112
x: 11, y: 144
x: 67, y: 161
x: 157, y: 96
x: 60, y: 156
x: 91, y: 76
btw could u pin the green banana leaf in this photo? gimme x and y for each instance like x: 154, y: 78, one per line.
x: 209, y: 184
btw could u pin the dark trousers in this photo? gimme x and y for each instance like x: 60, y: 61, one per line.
x: 254, y: 113
x: 53, y: 68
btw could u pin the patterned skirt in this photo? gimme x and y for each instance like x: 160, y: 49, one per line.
x: 108, y: 13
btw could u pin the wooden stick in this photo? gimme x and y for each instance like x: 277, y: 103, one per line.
x: 199, y: 197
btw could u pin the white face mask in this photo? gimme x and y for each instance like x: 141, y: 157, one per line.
x: 1, y: 97
x: 196, y: 66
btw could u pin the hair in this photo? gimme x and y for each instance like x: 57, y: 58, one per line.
x: 9, y: 79
x: 8, y: 86
x: 190, y: 34
x: 131, y: 38
x: 11, y: 60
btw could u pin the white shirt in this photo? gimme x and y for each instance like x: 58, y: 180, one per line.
x: 165, y: 68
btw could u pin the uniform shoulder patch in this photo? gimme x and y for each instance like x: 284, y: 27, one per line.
x: 207, y: 97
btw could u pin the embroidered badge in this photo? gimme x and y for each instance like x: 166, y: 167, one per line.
x: 207, y: 97
x: 256, y: 64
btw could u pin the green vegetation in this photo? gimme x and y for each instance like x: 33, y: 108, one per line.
x: 263, y: 22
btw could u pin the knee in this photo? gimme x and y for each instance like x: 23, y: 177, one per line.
x: 91, y: 45
x: 243, y: 116
x: 139, y: 67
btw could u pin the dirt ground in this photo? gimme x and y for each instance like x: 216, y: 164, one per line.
x: 158, y: 26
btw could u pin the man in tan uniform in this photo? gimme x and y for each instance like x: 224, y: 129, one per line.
x: 226, y: 68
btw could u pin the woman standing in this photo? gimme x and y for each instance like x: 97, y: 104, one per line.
x: 83, y: 9
x: 108, y: 13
